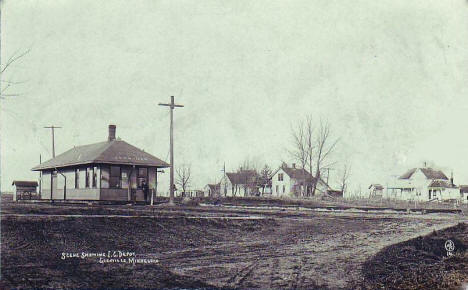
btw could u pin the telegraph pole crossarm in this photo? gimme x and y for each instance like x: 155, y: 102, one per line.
x: 171, y: 105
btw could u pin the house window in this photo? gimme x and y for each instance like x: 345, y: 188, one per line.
x: 114, y: 180
x: 142, y: 176
x: 77, y: 178
x: 284, y: 188
x: 280, y: 176
x: 277, y: 189
x: 87, y: 177
x: 94, y: 175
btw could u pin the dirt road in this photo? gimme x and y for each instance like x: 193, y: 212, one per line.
x: 282, y: 249
x: 320, y: 252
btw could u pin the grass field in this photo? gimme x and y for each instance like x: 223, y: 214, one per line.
x: 196, y: 247
x: 421, y: 263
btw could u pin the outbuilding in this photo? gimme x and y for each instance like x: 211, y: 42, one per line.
x: 112, y: 170
x: 25, y: 190
x: 212, y: 190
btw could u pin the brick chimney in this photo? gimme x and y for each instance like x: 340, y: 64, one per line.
x: 112, y: 129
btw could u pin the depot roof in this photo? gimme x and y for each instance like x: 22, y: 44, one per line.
x: 109, y: 152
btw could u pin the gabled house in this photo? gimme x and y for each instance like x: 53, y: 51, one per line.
x: 423, y: 184
x: 241, y: 183
x: 212, y: 190
x: 296, y: 181
x: 111, y: 170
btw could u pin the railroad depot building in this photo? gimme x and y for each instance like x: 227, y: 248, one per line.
x: 112, y: 171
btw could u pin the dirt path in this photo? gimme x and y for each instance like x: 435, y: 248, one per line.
x: 294, y: 257
x: 273, y: 249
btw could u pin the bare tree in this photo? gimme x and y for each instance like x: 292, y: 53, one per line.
x: 265, y: 177
x: 304, y: 145
x: 299, y: 153
x: 183, y: 177
x: 345, y: 178
x: 3, y: 68
x: 249, y: 164
x: 325, y: 146
x: 7, y: 84
x: 310, y: 146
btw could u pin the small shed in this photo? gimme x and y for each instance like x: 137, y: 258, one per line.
x: 25, y: 190
x: 376, y: 190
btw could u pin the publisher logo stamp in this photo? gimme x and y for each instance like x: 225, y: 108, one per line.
x: 449, y: 247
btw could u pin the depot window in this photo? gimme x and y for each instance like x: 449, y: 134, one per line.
x: 77, y: 178
x: 94, y: 174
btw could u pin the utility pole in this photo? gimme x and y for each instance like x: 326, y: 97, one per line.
x: 40, y: 175
x: 172, y: 185
x: 53, y: 138
x: 224, y: 180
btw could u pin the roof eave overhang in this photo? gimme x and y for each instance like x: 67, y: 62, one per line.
x: 39, y: 168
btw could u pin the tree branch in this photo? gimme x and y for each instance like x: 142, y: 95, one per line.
x: 14, y: 58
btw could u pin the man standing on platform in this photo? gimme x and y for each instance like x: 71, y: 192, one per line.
x: 144, y: 187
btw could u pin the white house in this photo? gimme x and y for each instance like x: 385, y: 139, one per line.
x: 292, y: 181
x: 423, y: 184
x: 241, y: 183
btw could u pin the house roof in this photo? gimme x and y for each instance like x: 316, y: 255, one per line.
x: 430, y: 173
x: 440, y: 183
x: 463, y: 188
x: 301, y: 175
x: 242, y: 177
x: 214, y: 187
x: 296, y: 173
x: 335, y: 192
x: 24, y: 183
x: 376, y: 186
x: 109, y: 152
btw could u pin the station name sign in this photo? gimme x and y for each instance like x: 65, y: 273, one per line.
x: 131, y: 158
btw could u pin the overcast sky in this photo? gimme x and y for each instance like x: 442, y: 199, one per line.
x: 390, y: 76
